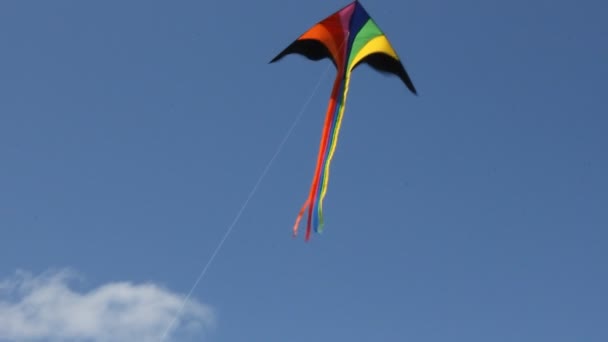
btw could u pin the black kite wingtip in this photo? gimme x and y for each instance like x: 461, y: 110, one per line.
x: 413, y: 89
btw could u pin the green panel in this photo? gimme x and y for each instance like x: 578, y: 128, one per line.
x: 368, y: 32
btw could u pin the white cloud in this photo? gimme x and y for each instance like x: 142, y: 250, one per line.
x: 44, y: 307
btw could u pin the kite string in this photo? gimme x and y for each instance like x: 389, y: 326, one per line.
x: 249, y: 197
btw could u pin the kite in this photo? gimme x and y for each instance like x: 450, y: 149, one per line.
x: 348, y: 38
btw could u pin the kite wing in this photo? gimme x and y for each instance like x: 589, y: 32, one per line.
x: 326, y: 39
x: 349, y: 37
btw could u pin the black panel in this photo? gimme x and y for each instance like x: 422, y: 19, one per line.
x: 309, y: 48
x: 386, y: 64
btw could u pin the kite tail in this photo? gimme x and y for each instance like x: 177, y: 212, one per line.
x: 332, y: 141
x: 311, y: 202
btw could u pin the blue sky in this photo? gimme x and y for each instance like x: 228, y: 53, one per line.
x: 132, y: 132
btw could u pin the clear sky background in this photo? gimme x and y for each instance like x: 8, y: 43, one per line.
x: 131, y: 132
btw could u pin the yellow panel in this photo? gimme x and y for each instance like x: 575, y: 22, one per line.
x: 378, y: 44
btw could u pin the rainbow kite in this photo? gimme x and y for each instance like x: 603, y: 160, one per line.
x: 349, y: 38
